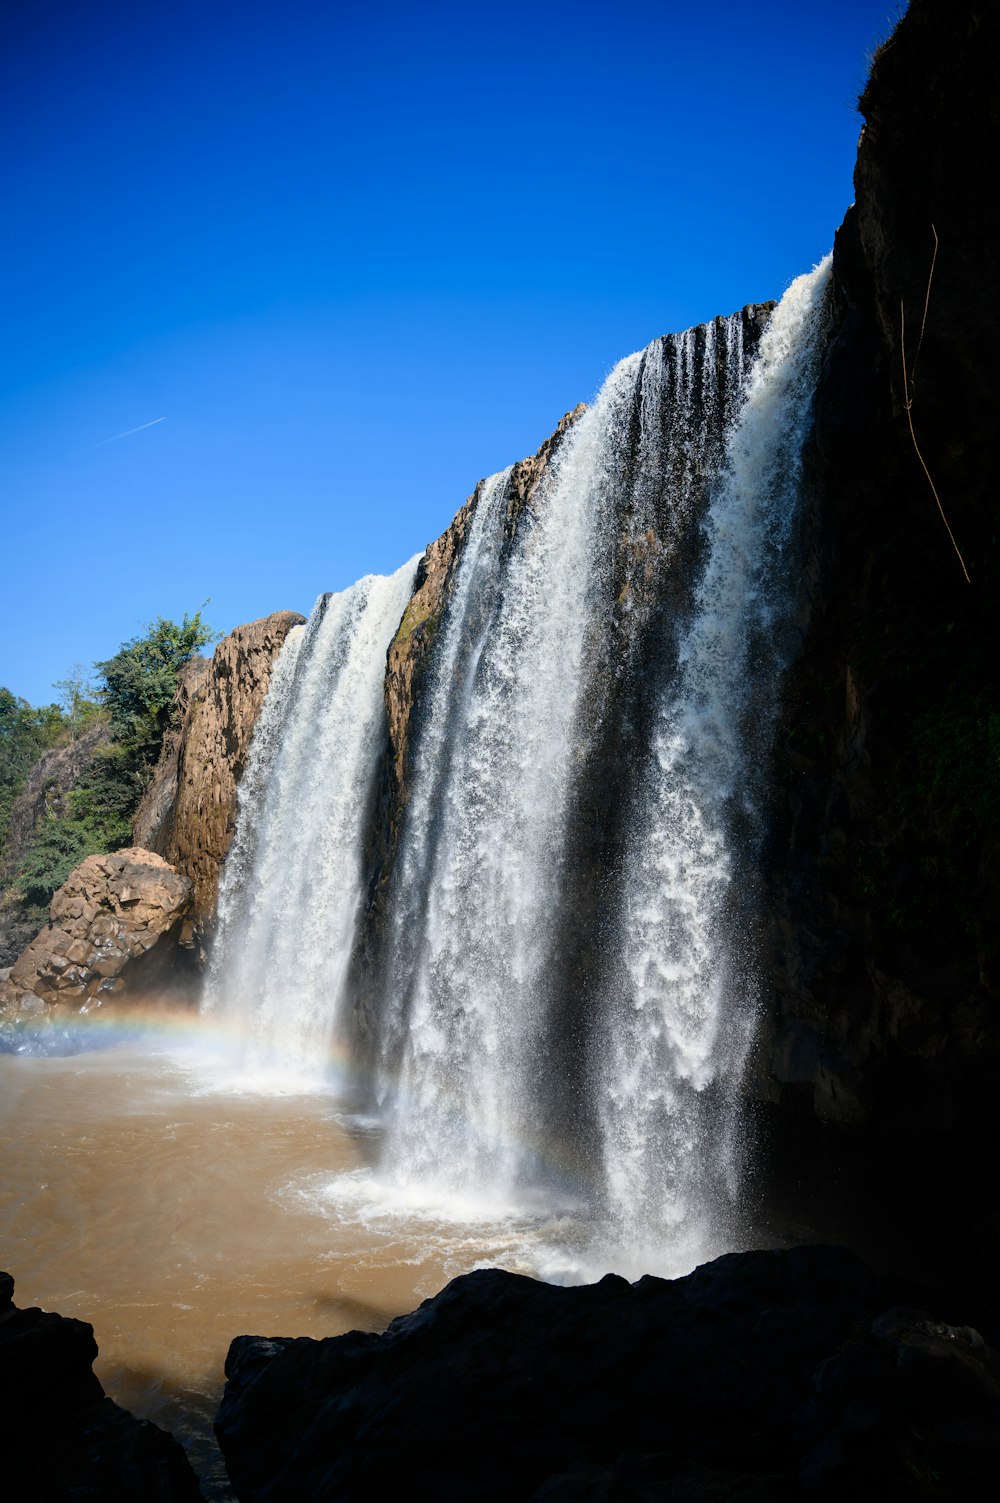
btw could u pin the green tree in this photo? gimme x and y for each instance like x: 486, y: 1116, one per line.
x: 77, y: 698
x: 140, y: 681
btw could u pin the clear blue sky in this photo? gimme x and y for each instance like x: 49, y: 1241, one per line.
x: 356, y: 257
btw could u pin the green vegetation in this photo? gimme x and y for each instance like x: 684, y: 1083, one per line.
x: 25, y: 732
x: 134, y: 698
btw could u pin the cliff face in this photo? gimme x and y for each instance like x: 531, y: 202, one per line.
x: 189, y: 811
x: 884, y: 880
x: 44, y: 793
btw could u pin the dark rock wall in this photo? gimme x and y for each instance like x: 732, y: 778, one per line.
x: 63, y: 1440
x: 763, y: 1376
x: 883, y: 874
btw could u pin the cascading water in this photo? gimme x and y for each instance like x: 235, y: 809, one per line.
x: 480, y: 882
x: 294, y: 877
x: 680, y: 1021
x: 563, y: 971
x: 683, y: 467
x: 484, y: 844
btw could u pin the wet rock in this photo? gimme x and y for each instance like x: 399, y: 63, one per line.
x: 112, y: 931
x: 729, y: 1383
x: 63, y: 1440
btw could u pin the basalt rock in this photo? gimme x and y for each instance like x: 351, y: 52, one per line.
x: 63, y: 1440
x: 189, y: 812
x: 763, y: 1375
x: 113, y: 930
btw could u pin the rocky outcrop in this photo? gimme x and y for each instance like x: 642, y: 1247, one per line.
x: 64, y: 1441
x: 884, y: 869
x: 55, y: 773
x: 763, y: 1375
x: 189, y: 812
x: 113, y: 931
x: 154, y: 812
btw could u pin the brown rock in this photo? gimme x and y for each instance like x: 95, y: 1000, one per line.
x: 113, y: 927
x: 189, y: 812
x: 154, y: 812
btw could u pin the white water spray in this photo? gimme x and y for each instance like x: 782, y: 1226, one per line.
x: 294, y: 878
x: 675, y: 1037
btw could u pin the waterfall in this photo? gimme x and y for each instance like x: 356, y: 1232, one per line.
x: 680, y: 1020
x: 294, y: 878
x: 566, y: 982
x: 483, y: 850
x: 646, y: 584
x: 479, y: 894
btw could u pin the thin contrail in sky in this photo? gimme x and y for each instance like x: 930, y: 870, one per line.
x: 128, y: 432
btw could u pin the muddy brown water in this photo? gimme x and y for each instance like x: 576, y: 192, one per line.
x: 173, y: 1216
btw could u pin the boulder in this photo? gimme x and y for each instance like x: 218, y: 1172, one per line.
x: 112, y: 931
x: 64, y: 1440
x: 753, y: 1377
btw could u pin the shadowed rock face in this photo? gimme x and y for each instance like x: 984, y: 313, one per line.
x: 755, y: 1375
x: 113, y: 928
x: 189, y: 812
x: 63, y: 1440
x: 883, y: 879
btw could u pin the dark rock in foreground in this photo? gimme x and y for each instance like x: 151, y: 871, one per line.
x: 763, y: 1375
x: 61, y: 1439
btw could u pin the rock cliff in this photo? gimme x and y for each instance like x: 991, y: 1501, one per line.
x: 189, y: 811
x: 884, y: 868
x: 49, y: 781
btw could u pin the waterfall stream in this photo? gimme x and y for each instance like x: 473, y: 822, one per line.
x: 566, y: 994
x: 680, y: 1021
x: 294, y: 878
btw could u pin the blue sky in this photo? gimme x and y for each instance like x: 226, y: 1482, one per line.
x: 355, y: 258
